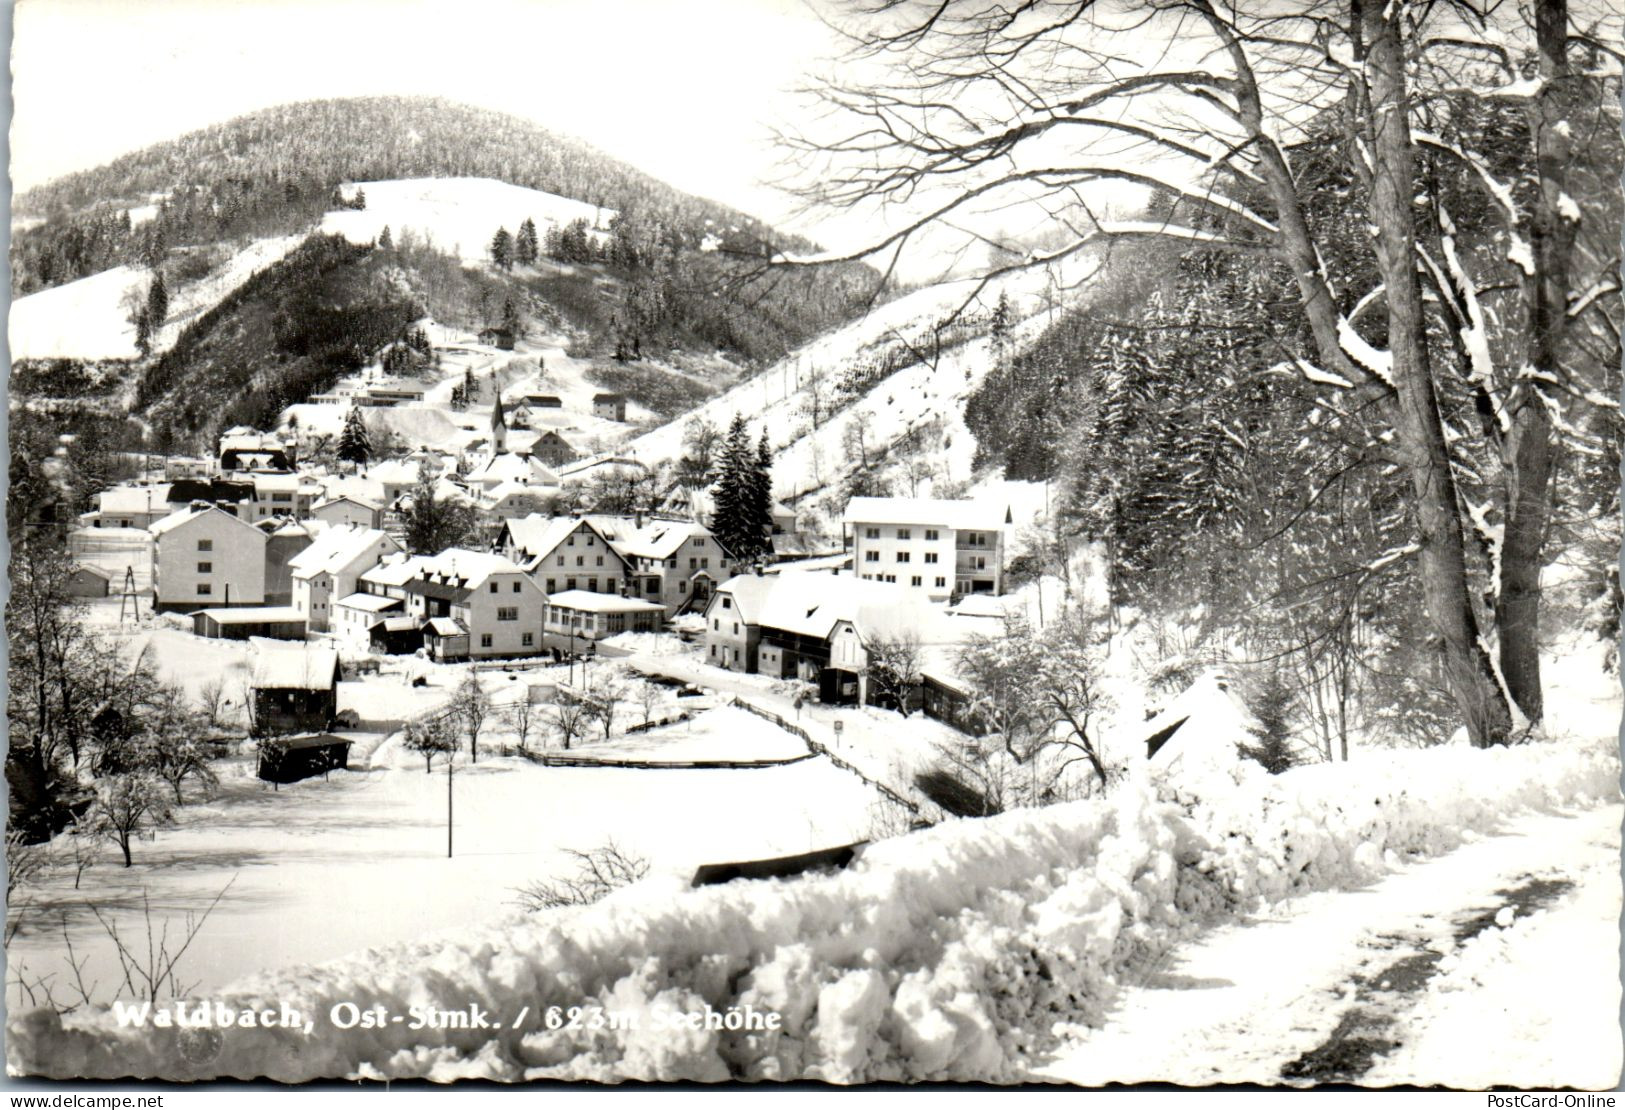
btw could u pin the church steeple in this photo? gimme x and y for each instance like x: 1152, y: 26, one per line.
x: 499, y: 427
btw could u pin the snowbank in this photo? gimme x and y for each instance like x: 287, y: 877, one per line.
x: 947, y: 954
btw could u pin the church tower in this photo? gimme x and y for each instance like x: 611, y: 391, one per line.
x: 499, y: 428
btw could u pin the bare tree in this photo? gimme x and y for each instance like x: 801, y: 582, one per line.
x: 24, y: 862
x: 605, y: 698
x: 471, y: 705
x: 522, y: 718
x: 893, y: 667
x: 967, y: 110
x: 127, y: 806
x: 650, y: 698
x: 571, y: 716
x: 599, y: 873
x: 429, y: 738
x: 151, y: 967
x: 211, y: 697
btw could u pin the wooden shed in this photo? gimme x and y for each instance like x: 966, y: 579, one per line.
x: 303, y: 757
x: 295, y: 688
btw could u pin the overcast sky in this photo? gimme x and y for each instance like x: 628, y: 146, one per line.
x: 681, y: 88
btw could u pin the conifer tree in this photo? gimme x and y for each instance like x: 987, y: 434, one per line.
x: 157, y: 303
x: 354, y: 444
x: 762, y: 494
x: 526, y: 246
x: 384, y: 239
x: 1272, y: 705
x: 502, y: 249
x: 732, y: 497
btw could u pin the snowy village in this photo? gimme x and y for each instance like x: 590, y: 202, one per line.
x: 508, y: 617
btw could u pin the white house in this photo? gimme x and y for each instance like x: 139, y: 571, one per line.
x: 567, y: 553
x: 280, y: 495
x: 329, y: 567
x: 206, y: 558
x: 348, y: 509
x: 475, y: 605
x: 947, y: 548
x: 130, y: 507
x: 676, y: 562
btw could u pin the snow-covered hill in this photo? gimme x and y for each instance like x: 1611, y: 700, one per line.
x: 824, y: 422
x: 90, y: 318
x: 458, y: 215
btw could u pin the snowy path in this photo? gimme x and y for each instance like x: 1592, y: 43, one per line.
x: 1495, y: 964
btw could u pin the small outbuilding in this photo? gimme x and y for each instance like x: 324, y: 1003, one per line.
x: 609, y: 406
x: 270, y: 622
x: 89, y: 581
x: 303, y: 757
x: 295, y: 689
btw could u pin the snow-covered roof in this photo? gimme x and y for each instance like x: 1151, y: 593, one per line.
x: 367, y: 603
x: 394, y: 570
x: 284, y: 483
x: 337, y: 550
x: 662, y: 539
x: 281, y: 666
x: 749, y: 593
x: 1205, y: 725
x: 354, y: 499
x: 826, y: 563
x: 460, y: 566
x: 395, y: 472
x: 182, y: 517
x: 446, y: 626
x: 586, y: 601
x: 812, y: 605
x: 513, y: 468
x: 581, y: 466
x: 537, y: 535
x: 134, y: 499
x: 925, y: 512
x: 254, y: 614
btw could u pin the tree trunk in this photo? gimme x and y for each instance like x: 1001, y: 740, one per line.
x: 1441, y: 561
x: 1528, y: 453
x: 124, y: 846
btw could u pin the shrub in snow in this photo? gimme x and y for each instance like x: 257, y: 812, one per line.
x: 947, y: 954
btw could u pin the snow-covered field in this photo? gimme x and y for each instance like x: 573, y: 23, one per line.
x: 319, y: 869
x: 458, y: 215
x: 946, y: 954
x: 90, y: 318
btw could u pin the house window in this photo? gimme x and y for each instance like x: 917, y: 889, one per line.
x: 516, y: 587
x: 930, y: 556
x: 871, y: 556
x: 904, y: 534
x: 682, y: 587
x: 569, y: 583
x: 915, y: 581
x: 891, y: 577
x: 930, y: 533
x: 581, y: 560
x: 528, y: 639
x: 716, y: 625
x: 570, y: 542
x: 941, y: 582
x: 902, y: 556
x: 204, y: 589
x: 713, y: 651
x: 552, y: 585
x: 493, y: 587
x: 981, y: 562
x: 561, y: 560
x: 600, y: 560
x: 508, y: 613
x: 282, y: 497
x: 485, y: 639
x: 205, y: 568
x: 727, y: 603
x: 205, y: 545
x: 592, y: 584
x: 705, y: 564
x: 871, y: 533
x: 736, y: 628
x: 653, y: 585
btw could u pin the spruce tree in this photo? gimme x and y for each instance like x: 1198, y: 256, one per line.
x: 354, y: 444
x: 762, y: 495
x: 157, y: 303
x: 526, y: 246
x: 502, y: 248
x: 732, y: 495
x: 1272, y: 706
x: 384, y: 239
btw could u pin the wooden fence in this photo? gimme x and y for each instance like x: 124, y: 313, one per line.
x: 814, y: 747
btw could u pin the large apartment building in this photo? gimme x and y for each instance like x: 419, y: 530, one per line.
x: 946, y: 548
